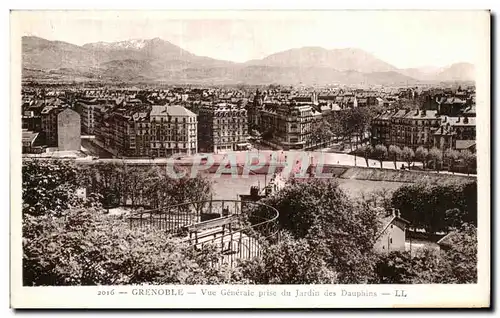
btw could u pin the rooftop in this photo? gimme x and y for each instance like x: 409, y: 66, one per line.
x: 465, y: 144
x: 29, y: 136
x: 170, y: 110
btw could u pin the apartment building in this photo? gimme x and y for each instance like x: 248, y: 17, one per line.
x: 414, y: 128
x: 49, y: 124
x: 173, y: 129
x: 455, y: 133
x: 59, y: 128
x: 381, y: 129
x: 90, y: 112
x: 149, y: 131
x: 222, y: 127
x: 426, y: 128
x: 287, y: 125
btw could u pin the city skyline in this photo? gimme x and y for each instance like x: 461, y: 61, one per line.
x: 257, y: 34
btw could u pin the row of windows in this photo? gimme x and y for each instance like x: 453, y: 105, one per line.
x: 234, y: 139
x: 148, y: 126
x: 168, y: 145
x: 175, y: 120
x: 415, y: 122
x: 229, y: 121
x: 161, y: 138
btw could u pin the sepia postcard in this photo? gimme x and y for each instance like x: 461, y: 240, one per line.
x: 250, y: 159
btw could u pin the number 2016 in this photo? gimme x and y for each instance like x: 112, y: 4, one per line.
x: 106, y: 292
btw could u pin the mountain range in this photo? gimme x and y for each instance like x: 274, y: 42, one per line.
x: 157, y: 60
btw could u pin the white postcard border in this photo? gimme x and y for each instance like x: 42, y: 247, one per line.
x: 476, y: 295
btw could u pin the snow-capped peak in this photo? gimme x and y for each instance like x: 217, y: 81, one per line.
x: 136, y: 44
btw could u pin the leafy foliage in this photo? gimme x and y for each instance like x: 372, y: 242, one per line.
x: 394, y: 153
x: 457, y: 264
x: 321, y: 133
x: 408, y: 155
x: 89, y: 248
x: 469, y: 160
x: 49, y: 187
x: 351, y: 122
x: 68, y: 240
x: 365, y: 151
x: 430, y: 206
x: 402, y: 268
x: 451, y: 156
x: 291, y: 261
x: 343, y: 232
x: 380, y: 153
x: 120, y: 184
x: 421, y: 155
x: 435, y: 156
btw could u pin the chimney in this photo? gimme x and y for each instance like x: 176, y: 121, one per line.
x: 396, y: 213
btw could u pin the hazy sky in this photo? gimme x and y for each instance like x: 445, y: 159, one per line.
x: 401, y: 38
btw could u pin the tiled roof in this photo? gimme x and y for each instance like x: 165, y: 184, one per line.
x: 419, y: 114
x: 465, y: 144
x: 173, y: 110
x: 29, y: 136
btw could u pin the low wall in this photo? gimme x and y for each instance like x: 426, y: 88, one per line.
x: 339, y: 171
x: 377, y: 174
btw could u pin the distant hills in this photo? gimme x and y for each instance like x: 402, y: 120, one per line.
x: 159, y: 60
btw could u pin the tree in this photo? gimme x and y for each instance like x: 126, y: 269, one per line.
x: 338, y: 126
x: 394, y: 153
x: 120, y: 183
x: 195, y: 190
x: 324, y: 132
x: 469, y: 160
x: 430, y: 206
x: 459, y: 260
x: 421, y: 155
x: 49, y: 186
x: 342, y: 232
x: 351, y: 122
x: 408, y: 156
x: 72, y: 242
x: 358, y: 120
x: 366, y: 152
x: 320, y: 133
x: 89, y: 248
x: 377, y: 199
x: 402, y: 268
x: 291, y: 261
x: 68, y: 240
x: 380, y: 153
x: 436, y: 157
x: 452, y: 156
